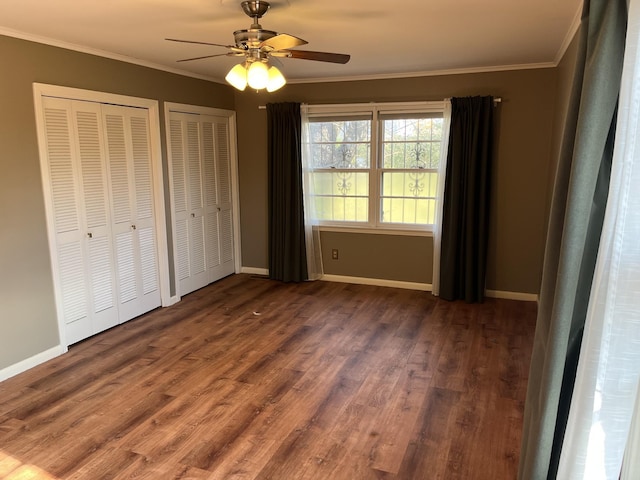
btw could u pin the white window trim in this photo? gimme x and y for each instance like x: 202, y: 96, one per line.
x: 374, y: 224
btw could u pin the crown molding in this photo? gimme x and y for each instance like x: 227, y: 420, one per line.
x: 571, y: 33
x: 100, y: 53
x: 386, y: 76
x: 428, y: 73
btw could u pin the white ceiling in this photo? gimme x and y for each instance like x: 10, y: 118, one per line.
x: 383, y: 37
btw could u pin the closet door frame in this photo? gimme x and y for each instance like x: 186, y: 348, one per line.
x: 233, y: 153
x: 41, y: 90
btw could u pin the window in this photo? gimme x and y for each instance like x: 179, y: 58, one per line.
x: 375, y: 168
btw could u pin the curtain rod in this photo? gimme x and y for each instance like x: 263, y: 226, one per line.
x: 264, y: 107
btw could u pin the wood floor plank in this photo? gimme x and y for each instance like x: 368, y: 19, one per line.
x: 404, y: 411
x: 254, y: 379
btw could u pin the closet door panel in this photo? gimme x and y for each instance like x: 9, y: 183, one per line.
x: 80, y: 216
x: 148, y: 272
x: 93, y: 171
x: 201, y: 189
x: 212, y: 203
x: 69, y: 257
x: 120, y: 179
x: 179, y: 197
x: 225, y: 214
x: 187, y: 191
x: 129, y: 161
x: 196, y: 205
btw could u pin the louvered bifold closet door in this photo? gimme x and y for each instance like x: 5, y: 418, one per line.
x: 83, y: 255
x: 202, y: 198
x: 219, y: 208
x: 131, y: 191
x: 188, y: 200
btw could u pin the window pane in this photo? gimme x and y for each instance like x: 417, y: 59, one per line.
x: 408, y: 197
x: 344, y: 155
x: 416, y: 211
x: 340, y: 143
x: 341, y: 195
x: 343, y: 183
x: 417, y: 184
x: 349, y: 209
x: 411, y: 142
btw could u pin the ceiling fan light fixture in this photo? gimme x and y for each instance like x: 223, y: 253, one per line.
x: 258, y: 75
x: 237, y: 76
x: 276, y: 79
x: 257, y: 46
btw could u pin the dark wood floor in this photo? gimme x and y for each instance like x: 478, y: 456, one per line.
x: 254, y: 379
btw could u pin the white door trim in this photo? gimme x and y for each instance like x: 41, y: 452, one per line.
x: 41, y: 90
x: 233, y: 147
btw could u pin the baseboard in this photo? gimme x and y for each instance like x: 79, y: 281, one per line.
x: 426, y: 287
x: 379, y: 282
x: 525, y: 297
x: 255, y: 271
x: 31, y: 362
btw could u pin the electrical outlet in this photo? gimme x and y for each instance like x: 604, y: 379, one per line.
x: 334, y: 254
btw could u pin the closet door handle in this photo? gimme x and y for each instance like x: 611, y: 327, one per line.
x: 89, y: 235
x: 193, y: 215
x: 133, y: 227
x: 219, y: 209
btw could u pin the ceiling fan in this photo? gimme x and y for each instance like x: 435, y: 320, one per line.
x: 257, y: 45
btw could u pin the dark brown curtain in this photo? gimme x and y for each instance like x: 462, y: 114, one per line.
x: 287, y: 253
x: 465, y: 214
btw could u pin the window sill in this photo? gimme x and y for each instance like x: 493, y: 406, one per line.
x: 376, y: 231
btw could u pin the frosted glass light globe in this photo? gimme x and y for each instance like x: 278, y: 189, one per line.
x: 258, y: 75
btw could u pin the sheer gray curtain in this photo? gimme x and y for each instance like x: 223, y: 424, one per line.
x: 575, y: 224
x: 287, y: 250
x: 465, y: 210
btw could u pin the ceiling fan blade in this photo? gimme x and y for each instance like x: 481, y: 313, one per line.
x: 200, y: 43
x: 317, y: 56
x: 283, y: 41
x: 205, y: 56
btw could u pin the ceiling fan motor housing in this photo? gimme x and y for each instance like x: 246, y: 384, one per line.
x: 252, y: 38
x: 257, y: 44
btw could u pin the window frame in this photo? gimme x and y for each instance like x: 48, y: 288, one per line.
x: 375, y: 170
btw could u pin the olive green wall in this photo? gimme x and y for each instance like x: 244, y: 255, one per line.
x: 28, y: 323
x: 373, y: 259
x: 521, y: 174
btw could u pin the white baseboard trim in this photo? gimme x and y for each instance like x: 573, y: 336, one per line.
x: 379, y: 282
x: 425, y: 287
x: 255, y: 271
x: 31, y: 362
x: 525, y: 297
